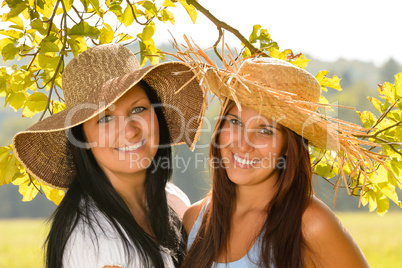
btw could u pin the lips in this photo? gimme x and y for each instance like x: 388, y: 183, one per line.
x: 243, y: 162
x: 133, y: 147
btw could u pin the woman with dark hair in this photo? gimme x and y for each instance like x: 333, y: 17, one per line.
x: 261, y: 211
x: 111, y: 150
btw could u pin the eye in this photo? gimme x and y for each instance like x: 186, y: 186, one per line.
x: 266, y: 131
x: 105, y: 119
x: 234, y: 121
x: 137, y: 110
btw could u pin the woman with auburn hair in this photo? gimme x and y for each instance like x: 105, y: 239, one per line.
x: 111, y: 150
x: 261, y: 211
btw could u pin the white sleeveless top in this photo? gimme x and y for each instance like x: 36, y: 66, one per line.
x: 85, y: 250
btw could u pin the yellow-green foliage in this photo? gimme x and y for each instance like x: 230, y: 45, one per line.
x: 21, y: 240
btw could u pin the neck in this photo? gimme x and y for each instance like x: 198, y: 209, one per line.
x: 255, y: 197
x: 131, y: 187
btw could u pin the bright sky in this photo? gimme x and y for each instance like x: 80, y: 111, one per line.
x: 365, y: 30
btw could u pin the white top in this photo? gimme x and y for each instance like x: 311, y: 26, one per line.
x: 84, y: 249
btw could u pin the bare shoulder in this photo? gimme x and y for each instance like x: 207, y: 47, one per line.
x: 191, y: 214
x: 330, y: 243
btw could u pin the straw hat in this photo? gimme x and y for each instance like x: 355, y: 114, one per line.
x: 286, y: 93
x: 281, y: 91
x: 92, y: 82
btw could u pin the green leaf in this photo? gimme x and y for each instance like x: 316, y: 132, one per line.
x: 254, y: 34
x: 192, y: 12
x: 246, y: 53
x: 9, y: 166
x: 16, y: 10
x: 324, y: 170
x: 367, y: 119
x: 148, y: 5
x: 3, y: 81
x: 48, y: 63
x: 57, y: 106
x: 95, y: 5
x: 388, y: 91
x: 9, y: 51
x: 40, y: 4
x: 16, y: 20
x: 16, y: 100
x: 168, y: 3
x: 48, y: 46
x: 52, y: 194
x: 398, y: 85
x: 301, y: 61
x: 106, y: 34
x: 395, y: 115
x: 84, y: 29
x: 12, y: 33
x: 124, y: 37
x: 382, y: 204
x: 389, y: 190
x: 116, y: 9
x: 68, y: 4
x: 128, y: 17
x: 35, y: 103
x: 167, y: 16
x: 85, y: 3
x: 372, y: 200
x: 47, y: 8
x: 148, y: 31
x: 77, y: 44
x: 20, y: 80
x: 38, y: 25
x: 28, y: 187
x: 376, y: 103
x: 4, y: 153
x: 325, y: 82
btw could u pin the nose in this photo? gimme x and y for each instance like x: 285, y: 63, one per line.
x: 244, y: 142
x: 131, y: 129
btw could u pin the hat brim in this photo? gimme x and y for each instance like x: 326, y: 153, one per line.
x: 42, y: 148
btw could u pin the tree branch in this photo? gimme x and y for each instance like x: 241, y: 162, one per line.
x: 135, y: 16
x: 60, y: 61
x: 221, y: 24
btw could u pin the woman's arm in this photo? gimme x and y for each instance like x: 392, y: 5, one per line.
x: 329, y: 242
x: 191, y: 214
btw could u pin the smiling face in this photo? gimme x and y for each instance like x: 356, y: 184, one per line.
x: 250, y: 145
x: 125, y: 138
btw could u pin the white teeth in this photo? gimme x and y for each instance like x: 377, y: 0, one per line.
x: 244, y: 161
x: 132, y: 147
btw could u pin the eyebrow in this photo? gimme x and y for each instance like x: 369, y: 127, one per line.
x: 261, y: 125
x: 132, y: 104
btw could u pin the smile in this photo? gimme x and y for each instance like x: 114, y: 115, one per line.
x: 244, y: 163
x: 133, y: 147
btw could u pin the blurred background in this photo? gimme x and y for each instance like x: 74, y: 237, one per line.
x: 359, y: 41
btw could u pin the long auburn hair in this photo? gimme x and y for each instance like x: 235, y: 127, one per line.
x: 92, y: 187
x: 283, y: 244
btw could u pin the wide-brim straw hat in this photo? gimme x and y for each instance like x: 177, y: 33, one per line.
x: 92, y: 82
x: 285, y: 93
x: 281, y: 91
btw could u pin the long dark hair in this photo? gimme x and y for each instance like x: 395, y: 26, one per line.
x: 283, y: 244
x: 91, y: 186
